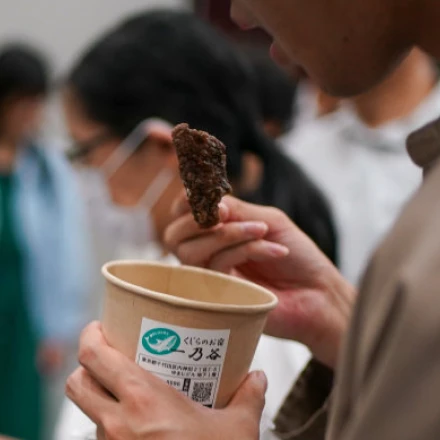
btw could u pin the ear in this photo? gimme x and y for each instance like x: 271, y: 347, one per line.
x: 163, y: 142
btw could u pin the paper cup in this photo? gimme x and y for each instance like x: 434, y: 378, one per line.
x: 195, y: 329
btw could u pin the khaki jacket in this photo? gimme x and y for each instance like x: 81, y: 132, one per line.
x: 387, y: 385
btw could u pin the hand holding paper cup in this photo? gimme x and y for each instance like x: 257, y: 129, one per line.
x: 195, y: 329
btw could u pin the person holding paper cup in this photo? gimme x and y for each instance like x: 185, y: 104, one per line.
x: 315, y: 305
x: 388, y: 375
x: 127, y: 163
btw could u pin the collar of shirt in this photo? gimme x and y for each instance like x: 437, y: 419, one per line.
x: 391, y: 136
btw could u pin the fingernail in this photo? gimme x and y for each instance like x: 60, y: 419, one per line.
x: 277, y: 250
x: 223, y: 211
x: 254, y: 228
x: 261, y: 378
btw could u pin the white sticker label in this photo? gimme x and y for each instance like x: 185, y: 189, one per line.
x: 190, y: 360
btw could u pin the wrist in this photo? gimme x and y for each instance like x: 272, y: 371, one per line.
x: 340, y: 297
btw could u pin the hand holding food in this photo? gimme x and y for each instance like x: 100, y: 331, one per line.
x: 262, y: 245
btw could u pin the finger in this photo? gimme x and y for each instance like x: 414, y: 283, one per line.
x: 89, y: 396
x: 250, y: 397
x: 258, y: 251
x: 180, y: 206
x: 186, y: 228
x: 200, y: 250
x: 238, y: 210
x: 107, y: 366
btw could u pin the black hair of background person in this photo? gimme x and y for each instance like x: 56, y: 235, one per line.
x: 173, y: 66
x: 23, y: 72
x: 276, y: 91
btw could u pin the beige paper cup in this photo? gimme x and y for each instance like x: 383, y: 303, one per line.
x: 194, y: 328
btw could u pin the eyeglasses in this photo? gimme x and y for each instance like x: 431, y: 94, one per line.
x: 79, y: 150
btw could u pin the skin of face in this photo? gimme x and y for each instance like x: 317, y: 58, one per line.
x: 133, y: 177
x: 345, y: 46
x: 21, y: 117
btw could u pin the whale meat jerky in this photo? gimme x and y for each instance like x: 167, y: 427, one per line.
x: 202, y: 161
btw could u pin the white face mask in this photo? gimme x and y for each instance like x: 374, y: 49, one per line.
x: 123, y: 232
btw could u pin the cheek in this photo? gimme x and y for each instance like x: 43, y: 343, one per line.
x: 25, y: 119
x: 35, y: 117
x: 97, y: 157
x: 17, y: 121
x: 326, y: 37
x: 355, y: 64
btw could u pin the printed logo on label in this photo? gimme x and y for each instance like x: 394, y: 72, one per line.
x: 161, y: 341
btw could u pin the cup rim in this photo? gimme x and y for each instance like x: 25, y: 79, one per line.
x: 190, y: 303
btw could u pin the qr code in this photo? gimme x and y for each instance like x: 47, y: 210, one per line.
x: 202, y: 392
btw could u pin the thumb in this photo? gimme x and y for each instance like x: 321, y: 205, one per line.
x: 250, y: 397
x: 236, y: 210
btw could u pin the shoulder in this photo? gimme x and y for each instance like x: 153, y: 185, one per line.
x: 406, y: 267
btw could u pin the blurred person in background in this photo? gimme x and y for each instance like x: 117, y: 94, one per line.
x: 41, y: 275
x: 276, y: 93
x: 355, y: 153
x: 276, y: 100
x: 121, y: 100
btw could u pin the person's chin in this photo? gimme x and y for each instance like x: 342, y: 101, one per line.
x: 279, y: 56
x: 284, y: 61
x: 342, y: 87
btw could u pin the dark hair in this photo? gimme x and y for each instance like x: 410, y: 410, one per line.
x: 23, y: 72
x: 173, y: 66
x: 276, y: 92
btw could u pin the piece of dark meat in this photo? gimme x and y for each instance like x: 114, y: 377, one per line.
x: 202, y: 161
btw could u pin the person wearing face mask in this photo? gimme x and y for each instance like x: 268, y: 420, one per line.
x: 276, y: 93
x: 128, y: 187
x: 121, y: 99
x: 128, y: 191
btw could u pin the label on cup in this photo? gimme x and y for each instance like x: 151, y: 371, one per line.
x: 190, y: 360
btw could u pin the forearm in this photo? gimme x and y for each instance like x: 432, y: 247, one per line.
x: 327, y: 316
x: 344, y: 296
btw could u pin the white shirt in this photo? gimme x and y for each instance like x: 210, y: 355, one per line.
x: 365, y: 173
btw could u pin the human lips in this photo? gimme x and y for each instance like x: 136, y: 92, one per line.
x: 245, y: 25
x: 279, y: 56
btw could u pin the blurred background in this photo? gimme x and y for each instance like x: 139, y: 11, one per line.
x: 62, y: 29
x: 89, y: 94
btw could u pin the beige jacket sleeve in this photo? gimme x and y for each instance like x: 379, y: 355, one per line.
x: 388, y: 381
x: 304, y: 413
x: 389, y: 387
x: 393, y: 391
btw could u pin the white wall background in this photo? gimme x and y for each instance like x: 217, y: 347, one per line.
x: 62, y: 28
